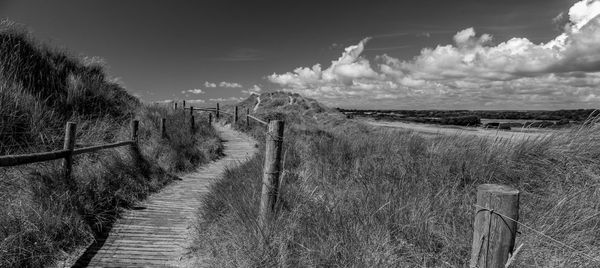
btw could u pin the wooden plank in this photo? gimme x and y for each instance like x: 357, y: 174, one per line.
x: 162, y: 224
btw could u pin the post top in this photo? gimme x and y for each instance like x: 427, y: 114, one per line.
x: 498, y: 189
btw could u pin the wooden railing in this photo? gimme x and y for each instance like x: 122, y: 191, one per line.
x: 273, y: 160
x: 218, y: 112
x: 68, y: 150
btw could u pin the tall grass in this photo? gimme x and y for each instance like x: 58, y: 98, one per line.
x: 353, y: 196
x: 45, y: 218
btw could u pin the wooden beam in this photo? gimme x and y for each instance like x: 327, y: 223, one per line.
x: 15, y: 160
x: 101, y: 147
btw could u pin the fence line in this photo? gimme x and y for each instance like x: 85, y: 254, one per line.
x: 68, y: 150
x: 494, y: 232
x: 540, y: 233
x: 273, y: 159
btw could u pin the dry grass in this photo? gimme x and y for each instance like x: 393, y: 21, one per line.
x: 44, y: 217
x: 354, y: 196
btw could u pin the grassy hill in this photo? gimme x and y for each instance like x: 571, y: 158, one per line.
x: 45, y: 218
x: 356, y: 196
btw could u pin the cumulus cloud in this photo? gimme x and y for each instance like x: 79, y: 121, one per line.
x: 472, y: 72
x: 229, y: 84
x: 253, y: 90
x: 194, y: 91
x: 196, y: 101
x: 224, y: 84
x: 230, y: 99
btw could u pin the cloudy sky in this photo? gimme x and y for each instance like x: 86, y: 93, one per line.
x: 471, y: 54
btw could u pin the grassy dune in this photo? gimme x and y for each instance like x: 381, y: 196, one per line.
x: 43, y: 217
x: 357, y: 196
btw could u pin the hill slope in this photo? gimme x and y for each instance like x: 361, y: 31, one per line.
x: 44, y: 217
x: 353, y: 196
x: 42, y: 87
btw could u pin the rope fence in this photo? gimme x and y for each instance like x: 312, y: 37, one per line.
x: 494, y: 237
x: 539, y: 233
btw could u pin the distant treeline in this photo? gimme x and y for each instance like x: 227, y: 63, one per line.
x: 572, y: 115
x: 467, y: 120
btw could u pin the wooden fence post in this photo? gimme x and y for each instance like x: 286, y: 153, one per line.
x: 135, y: 124
x: 191, y: 110
x: 70, y: 132
x: 235, y: 115
x: 209, y: 118
x: 217, y: 113
x: 163, y: 128
x: 192, y: 124
x: 184, y: 104
x: 494, y: 235
x: 271, y: 171
x: 175, y: 105
x: 247, y: 117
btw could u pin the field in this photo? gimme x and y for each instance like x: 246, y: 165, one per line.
x: 488, y: 119
x: 354, y: 195
x: 434, y: 130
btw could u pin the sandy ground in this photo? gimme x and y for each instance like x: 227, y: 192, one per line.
x: 516, y: 134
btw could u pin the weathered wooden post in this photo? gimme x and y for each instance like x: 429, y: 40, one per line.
x: 235, y: 115
x: 247, y: 117
x: 183, y: 104
x: 135, y: 149
x: 175, y: 105
x: 70, y: 132
x: 163, y: 128
x: 217, y: 113
x: 191, y: 110
x: 271, y: 171
x: 192, y: 124
x: 135, y: 124
x: 493, y: 234
x: 209, y: 118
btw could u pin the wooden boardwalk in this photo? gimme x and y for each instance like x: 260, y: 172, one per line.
x: 157, y: 233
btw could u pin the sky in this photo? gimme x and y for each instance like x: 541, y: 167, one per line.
x: 426, y: 54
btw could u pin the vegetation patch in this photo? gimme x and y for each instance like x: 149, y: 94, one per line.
x: 44, y: 217
x: 357, y: 196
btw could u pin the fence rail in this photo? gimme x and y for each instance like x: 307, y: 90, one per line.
x: 218, y: 112
x: 68, y: 151
x: 102, y: 147
x: 257, y: 120
x: 16, y: 160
